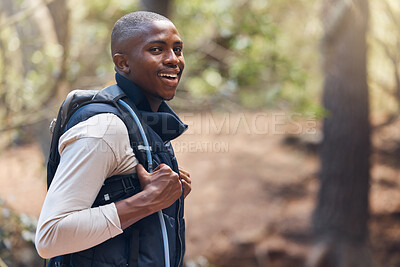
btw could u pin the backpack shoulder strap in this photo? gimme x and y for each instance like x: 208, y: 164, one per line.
x: 72, y: 102
x: 78, y: 98
x: 131, y: 116
x: 112, y: 92
x: 79, y: 105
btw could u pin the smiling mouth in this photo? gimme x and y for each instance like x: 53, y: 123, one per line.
x: 168, y: 76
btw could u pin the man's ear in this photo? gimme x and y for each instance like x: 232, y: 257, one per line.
x: 121, y: 63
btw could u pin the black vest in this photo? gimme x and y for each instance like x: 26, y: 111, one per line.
x: 141, y: 244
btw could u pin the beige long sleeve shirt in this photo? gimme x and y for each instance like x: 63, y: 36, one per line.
x: 90, y: 152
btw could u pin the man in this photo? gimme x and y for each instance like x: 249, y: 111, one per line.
x: 148, y: 58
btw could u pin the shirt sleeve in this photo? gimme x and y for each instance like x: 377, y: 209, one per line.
x: 90, y: 152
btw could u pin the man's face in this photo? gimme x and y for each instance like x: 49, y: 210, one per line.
x: 155, y: 59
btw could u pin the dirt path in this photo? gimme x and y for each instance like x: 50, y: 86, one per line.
x: 22, y: 179
x: 252, y: 195
x: 238, y: 193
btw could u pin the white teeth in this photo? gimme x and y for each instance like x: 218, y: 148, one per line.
x: 168, y: 75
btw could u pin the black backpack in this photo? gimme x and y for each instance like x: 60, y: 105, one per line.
x: 107, y: 100
x: 76, y: 100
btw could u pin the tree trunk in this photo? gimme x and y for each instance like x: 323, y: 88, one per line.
x: 60, y: 15
x: 162, y: 7
x: 341, y: 216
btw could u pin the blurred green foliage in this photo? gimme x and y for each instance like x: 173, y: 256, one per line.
x: 233, y: 51
x: 248, y: 53
x: 17, y: 234
x: 384, y: 57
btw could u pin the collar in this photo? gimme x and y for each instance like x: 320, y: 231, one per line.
x: 133, y: 92
x: 165, y: 122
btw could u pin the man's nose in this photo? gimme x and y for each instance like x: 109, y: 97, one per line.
x: 171, y: 58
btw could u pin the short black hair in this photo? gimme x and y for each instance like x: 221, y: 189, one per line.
x: 126, y: 25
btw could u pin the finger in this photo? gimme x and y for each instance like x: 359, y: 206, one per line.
x: 164, y: 168
x: 186, y: 184
x: 186, y: 178
x: 184, y: 172
x: 158, y: 167
x: 142, y: 175
x: 186, y: 188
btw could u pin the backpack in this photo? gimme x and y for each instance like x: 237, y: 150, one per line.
x: 107, y: 100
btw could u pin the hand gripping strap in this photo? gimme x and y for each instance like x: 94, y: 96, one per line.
x: 150, y: 166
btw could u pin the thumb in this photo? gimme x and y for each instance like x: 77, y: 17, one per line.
x: 142, y: 175
x: 141, y: 171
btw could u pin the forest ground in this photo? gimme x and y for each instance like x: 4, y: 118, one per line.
x: 255, y: 185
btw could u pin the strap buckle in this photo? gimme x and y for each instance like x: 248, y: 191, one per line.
x: 144, y: 148
x: 127, y: 184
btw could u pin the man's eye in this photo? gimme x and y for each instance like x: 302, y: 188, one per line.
x: 155, y: 49
x: 178, y: 50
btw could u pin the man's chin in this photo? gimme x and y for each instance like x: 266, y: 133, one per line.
x: 167, y: 97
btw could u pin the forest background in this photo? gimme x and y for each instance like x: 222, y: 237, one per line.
x: 293, y: 110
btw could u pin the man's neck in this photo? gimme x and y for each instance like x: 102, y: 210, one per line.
x: 154, y: 102
x: 139, y: 98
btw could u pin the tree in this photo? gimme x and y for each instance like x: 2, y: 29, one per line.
x: 385, y: 44
x: 59, y: 13
x: 162, y: 7
x: 341, y: 216
x: 34, y: 49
